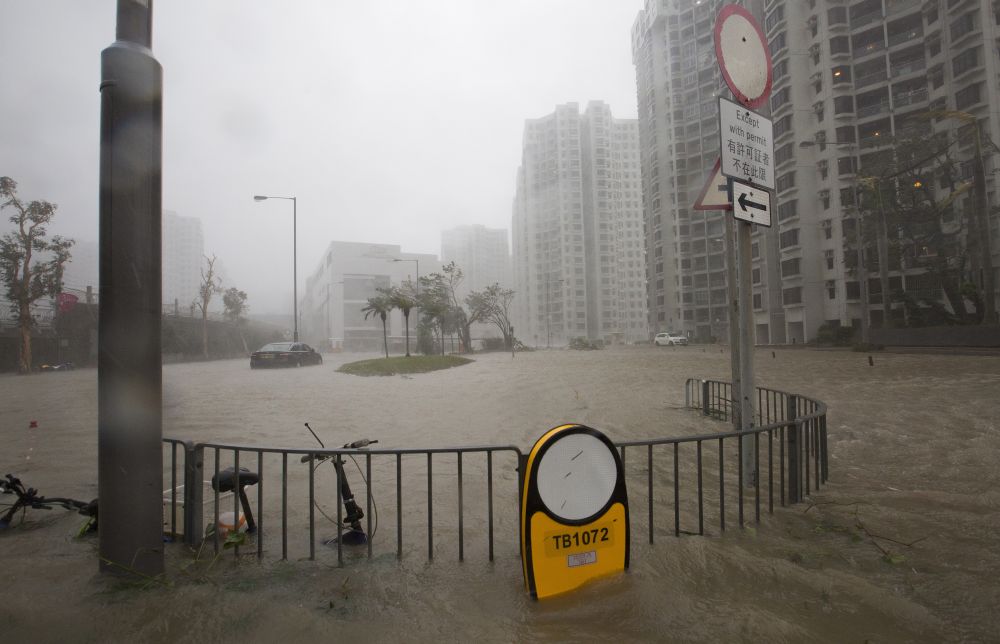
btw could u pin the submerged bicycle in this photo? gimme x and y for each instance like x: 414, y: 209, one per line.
x: 26, y: 498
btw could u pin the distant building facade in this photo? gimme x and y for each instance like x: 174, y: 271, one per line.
x: 482, y: 253
x: 330, y: 309
x: 849, y: 80
x: 183, y: 260
x: 577, y: 229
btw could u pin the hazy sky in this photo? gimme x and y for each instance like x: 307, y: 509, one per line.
x: 388, y: 120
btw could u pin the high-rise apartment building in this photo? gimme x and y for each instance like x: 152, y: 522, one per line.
x: 577, y: 229
x: 851, y: 81
x: 183, y: 259
x: 482, y: 253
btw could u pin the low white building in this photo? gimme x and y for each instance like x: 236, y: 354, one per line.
x: 330, y: 310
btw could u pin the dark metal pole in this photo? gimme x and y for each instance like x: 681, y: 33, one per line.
x: 295, y: 268
x: 130, y: 458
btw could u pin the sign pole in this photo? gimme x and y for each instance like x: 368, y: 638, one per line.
x: 747, y: 155
x: 734, y: 319
x: 746, y: 342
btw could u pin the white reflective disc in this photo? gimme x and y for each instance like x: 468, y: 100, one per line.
x: 577, y: 476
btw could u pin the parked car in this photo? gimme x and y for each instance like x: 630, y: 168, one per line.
x: 284, y: 354
x: 669, y: 339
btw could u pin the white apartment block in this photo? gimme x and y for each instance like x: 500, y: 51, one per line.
x: 577, y: 229
x: 330, y: 309
x: 849, y: 78
x: 482, y: 253
x: 183, y: 258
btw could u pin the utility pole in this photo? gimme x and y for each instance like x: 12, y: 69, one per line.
x: 983, y: 219
x: 129, y: 379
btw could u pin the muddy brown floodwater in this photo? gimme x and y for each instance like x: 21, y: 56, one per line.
x: 914, y: 449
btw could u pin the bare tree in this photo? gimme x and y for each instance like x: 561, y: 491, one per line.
x: 27, y: 279
x: 494, y: 302
x: 211, y: 285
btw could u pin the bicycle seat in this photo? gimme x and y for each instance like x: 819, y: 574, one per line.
x: 227, y: 479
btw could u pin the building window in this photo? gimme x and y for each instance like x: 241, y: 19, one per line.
x: 784, y: 153
x: 789, y: 238
x: 840, y: 45
x: 758, y: 302
x: 846, y: 197
x: 853, y: 290
x: 774, y: 17
x: 792, y: 295
x: 846, y: 134
x: 828, y: 256
x: 754, y: 250
x: 780, y: 69
x: 843, y: 105
x: 782, y: 125
x: 786, y: 181
x: 791, y: 267
x: 967, y: 97
x: 777, y: 44
x: 965, y: 61
x: 836, y: 16
x: 780, y: 98
x: 841, y: 74
x: 788, y: 209
x: 831, y: 289
x: 755, y: 276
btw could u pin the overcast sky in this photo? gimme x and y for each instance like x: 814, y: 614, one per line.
x: 388, y: 120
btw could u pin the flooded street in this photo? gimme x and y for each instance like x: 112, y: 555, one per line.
x: 914, y: 446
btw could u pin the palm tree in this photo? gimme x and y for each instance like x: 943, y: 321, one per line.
x: 379, y: 306
x: 404, y: 298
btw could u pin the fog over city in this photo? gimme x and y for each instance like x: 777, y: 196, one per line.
x: 388, y: 121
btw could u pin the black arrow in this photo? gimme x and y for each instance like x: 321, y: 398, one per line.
x: 744, y: 202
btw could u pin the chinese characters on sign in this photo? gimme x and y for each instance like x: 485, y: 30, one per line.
x: 747, y: 144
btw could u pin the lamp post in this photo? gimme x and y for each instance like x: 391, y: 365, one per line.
x: 295, y: 263
x: 415, y: 261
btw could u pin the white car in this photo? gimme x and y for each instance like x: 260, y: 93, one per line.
x: 669, y: 339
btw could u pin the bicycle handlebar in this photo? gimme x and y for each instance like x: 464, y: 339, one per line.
x: 358, y: 444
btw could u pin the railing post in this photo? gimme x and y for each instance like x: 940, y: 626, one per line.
x: 194, y: 528
x: 822, y: 444
x: 793, y: 449
x: 705, y: 410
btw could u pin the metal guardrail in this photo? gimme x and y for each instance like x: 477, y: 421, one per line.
x: 792, y: 429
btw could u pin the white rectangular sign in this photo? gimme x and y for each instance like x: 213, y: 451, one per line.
x: 751, y: 204
x: 747, y: 144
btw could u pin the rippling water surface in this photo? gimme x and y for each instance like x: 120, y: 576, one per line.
x: 914, y: 446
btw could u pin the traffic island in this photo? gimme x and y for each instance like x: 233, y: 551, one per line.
x: 402, y: 365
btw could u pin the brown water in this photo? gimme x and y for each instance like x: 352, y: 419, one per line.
x: 914, y: 446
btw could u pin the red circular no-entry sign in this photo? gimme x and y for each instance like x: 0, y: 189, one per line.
x: 743, y: 56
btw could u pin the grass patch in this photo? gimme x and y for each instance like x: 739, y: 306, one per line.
x: 402, y: 364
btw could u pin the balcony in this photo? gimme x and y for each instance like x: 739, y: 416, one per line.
x: 869, y: 111
x: 896, y: 7
x: 864, y: 19
x: 909, y: 98
x: 909, y: 67
x: 905, y: 36
x: 870, y: 79
x: 873, y: 141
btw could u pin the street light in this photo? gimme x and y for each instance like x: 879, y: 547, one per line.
x: 415, y: 261
x: 295, y: 263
